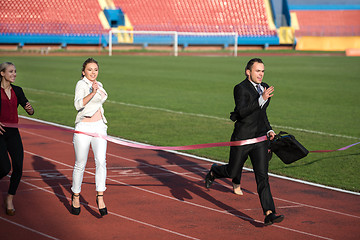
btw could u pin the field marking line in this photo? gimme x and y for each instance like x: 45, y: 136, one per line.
x: 201, y: 158
x: 34, y: 189
x: 109, y: 168
x: 281, y: 177
x: 170, y: 173
x: 110, y: 212
x: 93, y: 207
x: 47, y: 171
x: 168, y: 197
x: 198, y: 115
x: 277, y: 198
x: 198, y: 179
x: 29, y: 229
x: 270, y: 174
x: 260, y: 209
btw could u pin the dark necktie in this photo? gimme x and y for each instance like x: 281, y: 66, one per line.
x: 259, y: 89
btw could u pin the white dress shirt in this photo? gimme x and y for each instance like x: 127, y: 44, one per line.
x: 261, y: 99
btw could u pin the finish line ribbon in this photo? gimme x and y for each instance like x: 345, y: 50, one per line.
x: 136, y: 145
x: 340, y: 149
x: 141, y: 146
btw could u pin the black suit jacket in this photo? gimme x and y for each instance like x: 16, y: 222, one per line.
x: 250, y: 119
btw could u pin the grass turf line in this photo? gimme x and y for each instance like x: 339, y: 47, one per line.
x: 315, y: 93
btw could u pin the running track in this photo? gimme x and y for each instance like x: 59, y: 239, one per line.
x: 161, y: 195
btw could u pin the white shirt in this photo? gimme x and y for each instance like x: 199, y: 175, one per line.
x: 261, y: 99
x: 82, y: 89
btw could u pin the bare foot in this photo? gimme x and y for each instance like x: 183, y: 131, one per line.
x: 9, y: 201
x: 10, y: 210
x: 76, y: 200
x: 237, y: 189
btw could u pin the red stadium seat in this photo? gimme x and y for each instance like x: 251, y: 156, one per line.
x: 328, y: 22
x: 51, y: 16
x: 246, y: 17
x: 198, y: 16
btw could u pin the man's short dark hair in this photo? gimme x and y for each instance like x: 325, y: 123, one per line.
x: 251, y: 63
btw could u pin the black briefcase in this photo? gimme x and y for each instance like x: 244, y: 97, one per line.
x: 287, y: 148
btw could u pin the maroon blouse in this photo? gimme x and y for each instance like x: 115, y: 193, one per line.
x: 9, y: 113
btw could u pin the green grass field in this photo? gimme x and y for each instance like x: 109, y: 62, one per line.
x: 187, y: 100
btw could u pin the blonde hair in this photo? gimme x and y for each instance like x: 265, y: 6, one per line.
x: 4, y: 65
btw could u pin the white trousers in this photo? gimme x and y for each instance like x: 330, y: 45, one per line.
x: 82, y: 145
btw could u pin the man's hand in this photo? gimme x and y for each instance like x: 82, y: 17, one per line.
x: 271, y: 135
x: 268, y: 93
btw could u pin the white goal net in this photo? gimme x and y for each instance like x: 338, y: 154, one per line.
x: 170, y: 38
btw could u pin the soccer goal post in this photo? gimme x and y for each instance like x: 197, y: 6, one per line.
x: 170, y: 38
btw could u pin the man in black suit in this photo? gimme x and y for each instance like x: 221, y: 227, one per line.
x: 252, y: 97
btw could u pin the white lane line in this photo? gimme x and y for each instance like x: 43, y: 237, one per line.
x: 197, y: 157
x: 196, y: 178
x: 276, y: 226
x: 198, y: 115
x: 48, y: 187
x: 200, y: 179
x: 27, y: 228
x: 123, y: 168
x: 172, y: 198
x: 170, y: 173
x: 95, y: 208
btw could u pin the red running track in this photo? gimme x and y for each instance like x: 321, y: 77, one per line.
x: 161, y: 195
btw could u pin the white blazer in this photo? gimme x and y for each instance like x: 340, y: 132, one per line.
x: 82, y: 89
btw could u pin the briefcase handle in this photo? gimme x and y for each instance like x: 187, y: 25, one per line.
x: 279, y: 135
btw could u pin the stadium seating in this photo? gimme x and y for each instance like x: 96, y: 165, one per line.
x: 328, y: 23
x: 81, y: 17
x: 246, y: 17
x: 50, y: 17
x: 77, y: 21
x: 326, y: 17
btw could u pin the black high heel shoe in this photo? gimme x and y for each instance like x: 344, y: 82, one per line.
x: 74, y: 210
x: 103, y: 211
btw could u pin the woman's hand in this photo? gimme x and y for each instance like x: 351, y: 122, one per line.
x: 29, y: 109
x: 95, y: 86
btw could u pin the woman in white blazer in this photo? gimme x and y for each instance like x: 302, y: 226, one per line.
x: 89, y: 98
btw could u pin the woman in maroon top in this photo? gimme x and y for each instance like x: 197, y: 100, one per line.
x: 10, y: 140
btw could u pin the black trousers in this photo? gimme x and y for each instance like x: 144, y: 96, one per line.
x: 259, y: 156
x: 11, y: 144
